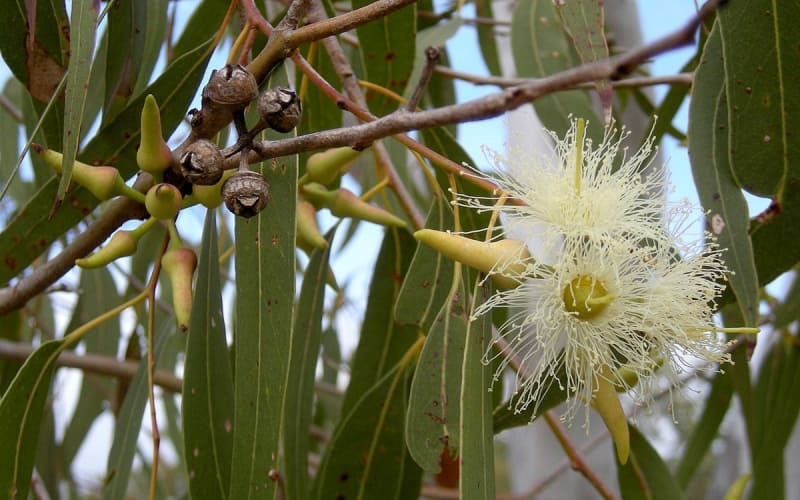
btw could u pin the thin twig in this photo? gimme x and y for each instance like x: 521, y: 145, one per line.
x: 576, y: 457
x: 499, y: 81
x: 432, y: 55
x: 151, y: 364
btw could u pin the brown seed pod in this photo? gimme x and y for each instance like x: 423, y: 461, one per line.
x: 202, y: 163
x: 246, y: 193
x: 232, y: 86
x: 280, y: 108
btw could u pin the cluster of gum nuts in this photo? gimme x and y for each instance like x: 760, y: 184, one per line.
x: 199, y: 173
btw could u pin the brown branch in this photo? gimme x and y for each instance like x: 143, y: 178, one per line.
x: 118, y: 212
x: 576, y: 457
x: 482, y: 108
x: 92, y: 363
x: 643, y: 81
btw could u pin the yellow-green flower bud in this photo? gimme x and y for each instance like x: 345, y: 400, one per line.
x: 154, y: 155
x: 606, y: 403
x: 506, y: 260
x: 121, y: 244
x: 211, y: 196
x: 308, y: 235
x: 326, y: 166
x: 179, y: 265
x: 163, y: 201
x: 343, y: 203
x: 103, y: 182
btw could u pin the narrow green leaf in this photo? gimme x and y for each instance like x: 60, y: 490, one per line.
x: 540, y: 49
x: 20, y: 417
x: 486, y: 37
x: 300, y: 379
x: 98, y: 295
x: 207, y: 403
x: 719, y: 193
x: 646, y: 476
x: 156, y: 13
x: 127, y: 31
x: 366, y: 457
x: 584, y: 21
x: 426, y: 287
x: 32, y: 231
x: 81, y: 45
x: 387, y: 52
x: 476, y: 439
x: 265, y: 265
x: 760, y: 41
x: 374, y: 407
x: 705, y: 431
x: 776, y: 397
x: 129, y: 421
x: 432, y: 422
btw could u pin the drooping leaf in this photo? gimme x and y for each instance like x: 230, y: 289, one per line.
x: 645, y: 475
x: 487, y: 40
x: 300, y: 379
x: 476, y: 438
x: 387, y: 52
x: 584, y: 21
x: 129, y: 421
x: 207, y: 403
x: 371, y: 459
x: 21, y: 411
x: 82, y: 31
x: 540, y: 48
x: 127, y: 31
x: 760, y: 52
x: 426, y: 286
x: 721, y: 197
x: 705, y: 431
x: 433, y: 420
x: 265, y: 264
x: 776, y: 397
x: 98, y: 295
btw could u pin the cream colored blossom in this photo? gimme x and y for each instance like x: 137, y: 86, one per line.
x: 607, y: 304
x: 582, y: 189
x: 622, y: 284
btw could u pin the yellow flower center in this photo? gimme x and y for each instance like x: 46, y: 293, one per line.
x: 586, y: 297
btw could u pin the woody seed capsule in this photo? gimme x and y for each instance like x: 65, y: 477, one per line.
x: 202, y: 163
x: 246, y: 193
x: 232, y: 86
x: 280, y: 108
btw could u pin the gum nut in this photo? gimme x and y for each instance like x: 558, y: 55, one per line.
x: 202, y: 163
x: 280, y: 108
x: 246, y: 193
x: 231, y: 86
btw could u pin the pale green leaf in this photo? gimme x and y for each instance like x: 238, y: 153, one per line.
x: 21, y: 411
x: 82, y: 31
x: 476, y: 436
x: 207, y: 403
x: 721, y: 197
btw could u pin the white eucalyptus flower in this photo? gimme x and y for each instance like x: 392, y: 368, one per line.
x: 580, y: 190
x: 607, y: 304
x: 619, y: 285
